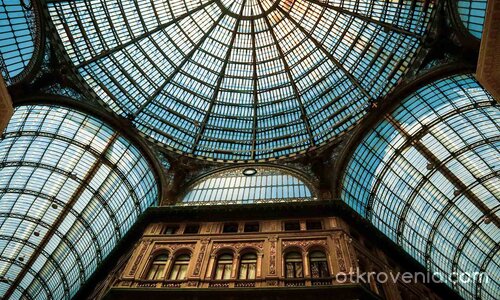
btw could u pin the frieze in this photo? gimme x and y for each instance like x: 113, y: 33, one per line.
x: 172, y: 247
x: 304, y: 244
x: 239, y: 245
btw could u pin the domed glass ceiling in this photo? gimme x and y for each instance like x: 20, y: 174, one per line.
x: 241, y: 79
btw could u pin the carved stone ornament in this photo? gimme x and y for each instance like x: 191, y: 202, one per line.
x: 145, y: 245
x: 239, y: 245
x: 304, y: 244
x: 172, y: 247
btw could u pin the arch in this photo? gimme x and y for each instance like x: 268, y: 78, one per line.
x: 426, y: 174
x: 293, y: 264
x: 318, y: 264
x: 247, y: 269
x: 22, y: 41
x: 224, y: 266
x: 240, y: 186
x: 180, y: 265
x: 85, y: 178
x: 249, y: 249
x: 157, y: 266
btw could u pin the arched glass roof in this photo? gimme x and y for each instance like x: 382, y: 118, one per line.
x: 428, y: 177
x: 70, y: 188
x: 17, y: 37
x: 241, y: 80
x: 248, y: 185
x: 472, y: 14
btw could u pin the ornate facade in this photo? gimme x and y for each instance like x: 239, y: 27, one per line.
x: 330, y: 254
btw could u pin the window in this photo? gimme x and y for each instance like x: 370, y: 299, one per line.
x: 292, y: 225
x: 169, y: 229
x: 293, y: 265
x: 314, y: 225
x: 248, y: 266
x: 230, y: 227
x: 224, y: 267
x: 252, y: 227
x: 179, y: 270
x: 157, y: 268
x: 192, y: 229
x: 318, y: 265
x: 236, y: 186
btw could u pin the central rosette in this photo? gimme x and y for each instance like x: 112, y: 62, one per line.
x: 248, y: 9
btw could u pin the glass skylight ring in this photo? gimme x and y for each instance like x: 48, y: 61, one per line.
x: 214, y: 114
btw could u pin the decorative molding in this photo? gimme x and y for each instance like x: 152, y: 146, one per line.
x: 272, y: 256
x: 239, y: 245
x: 172, y: 247
x: 340, y: 255
x: 201, y: 255
x: 145, y: 245
x: 304, y: 244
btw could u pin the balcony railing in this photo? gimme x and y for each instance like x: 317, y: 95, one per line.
x: 232, y: 283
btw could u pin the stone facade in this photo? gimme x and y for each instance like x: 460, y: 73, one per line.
x: 349, y: 256
x: 6, y: 109
x: 488, y: 65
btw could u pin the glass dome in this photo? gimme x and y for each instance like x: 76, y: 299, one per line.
x: 241, y: 79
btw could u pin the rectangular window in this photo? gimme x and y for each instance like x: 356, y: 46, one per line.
x: 192, y: 229
x: 252, y: 227
x: 169, y: 229
x: 314, y: 225
x: 292, y: 225
x: 230, y: 227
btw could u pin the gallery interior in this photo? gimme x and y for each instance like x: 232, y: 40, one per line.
x: 250, y: 149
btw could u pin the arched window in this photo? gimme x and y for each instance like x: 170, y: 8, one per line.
x: 224, y: 267
x: 248, y: 266
x: 249, y: 185
x: 179, y: 270
x: 293, y: 265
x: 157, y: 267
x: 318, y: 265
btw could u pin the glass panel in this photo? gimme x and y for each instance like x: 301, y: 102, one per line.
x: 472, y: 14
x: 72, y: 180
x: 437, y: 196
x: 19, y: 30
x: 231, y: 187
x: 228, y: 81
